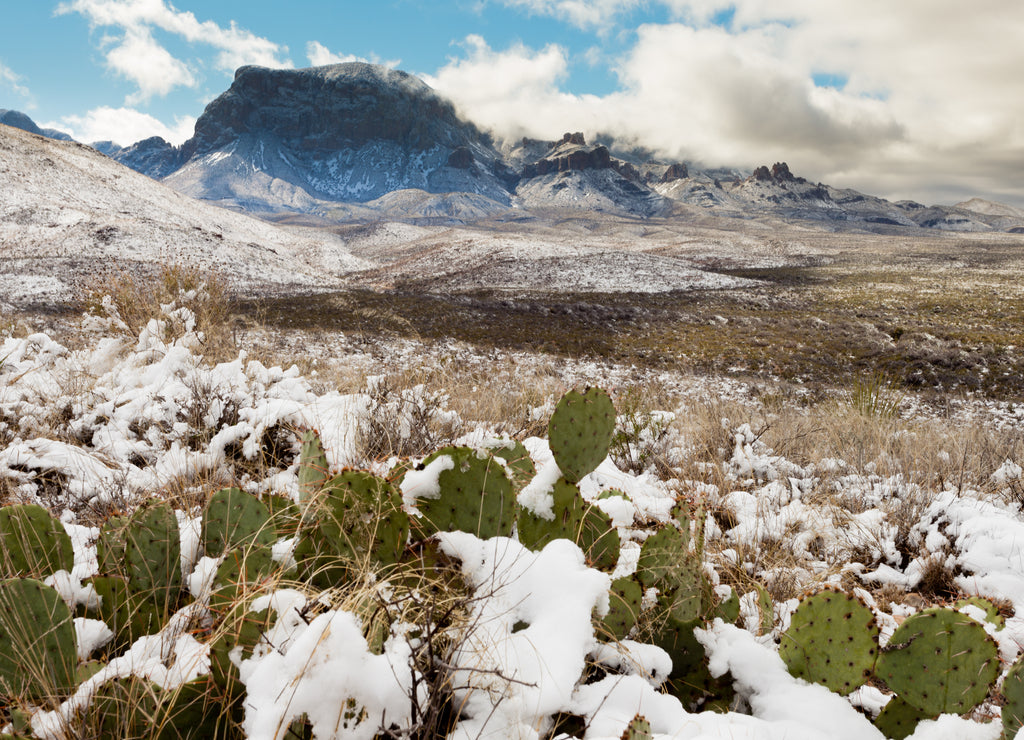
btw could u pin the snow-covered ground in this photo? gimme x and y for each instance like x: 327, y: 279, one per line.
x: 120, y: 418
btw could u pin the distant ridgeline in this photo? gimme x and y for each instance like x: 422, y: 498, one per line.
x: 310, y: 140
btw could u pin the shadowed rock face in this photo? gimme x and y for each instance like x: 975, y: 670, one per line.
x: 330, y: 108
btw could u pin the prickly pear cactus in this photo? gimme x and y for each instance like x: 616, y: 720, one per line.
x: 124, y: 708
x: 110, y: 546
x: 234, y: 518
x: 355, y: 517
x: 517, y: 461
x: 153, y: 553
x: 638, y: 729
x: 1013, y: 693
x: 313, y: 466
x: 899, y: 720
x: 475, y: 496
x: 37, y: 642
x: 940, y: 661
x: 574, y: 519
x: 991, y: 611
x: 32, y: 543
x: 624, y: 605
x: 580, y: 431
x: 832, y: 640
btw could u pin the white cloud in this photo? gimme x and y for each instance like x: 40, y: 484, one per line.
x: 139, y: 58
x: 580, y: 13
x: 13, y: 82
x: 928, y: 91
x: 161, y: 72
x: 124, y: 126
x: 514, y: 92
x: 319, y: 56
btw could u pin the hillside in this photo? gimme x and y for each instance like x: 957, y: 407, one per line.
x: 68, y: 212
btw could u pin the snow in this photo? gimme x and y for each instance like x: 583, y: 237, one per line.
x: 529, y: 648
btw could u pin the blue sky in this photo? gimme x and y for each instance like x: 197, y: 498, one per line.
x: 919, y: 99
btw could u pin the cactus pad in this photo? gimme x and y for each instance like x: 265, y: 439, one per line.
x: 898, y: 720
x: 475, y: 496
x: 580, y: 431
x: 313, y: 466
x: 37, y: 641
x: 354, y: 516
x: 832, y: 640
x: 940, y: 661
x: 517, y: 461
x: 153, y: 553
x: 32, y: 543
x: 624, y: 604
x: 638, y: 729
x: 576, y: 520
x: 1013, y: 693
x: 234, y: 518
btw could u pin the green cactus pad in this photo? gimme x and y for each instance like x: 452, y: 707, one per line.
x: 992, y: 614
x: 766, y: 609
x: 662, y: 554
x: 521, y: 469
x: 110, y: 547
x: 313, y: 465
x: 153, y: 553
x: 234, y: 518
x: 599, y: 539
x: 580, y: 431
x: 32, y: 543
x: 354, y: 517
x: 125, y: 708
x: 899, y: 720
x: 476, y: 496
x: 1013, y: 693
x: 624, y: 604
x: 242, y: 570
x: 193, y: 711
x: 832, y: 640
x: 37, y: 642
x: 638, y: 729
x: 129, y: 614
x: 728, y: 610
x: 574, y: 520
x: 940, y: 661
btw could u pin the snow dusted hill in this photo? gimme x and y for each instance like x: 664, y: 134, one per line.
x: 67, y: 210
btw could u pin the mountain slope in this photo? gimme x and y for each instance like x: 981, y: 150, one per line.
x: 68, y: 211
x: 297, y: 139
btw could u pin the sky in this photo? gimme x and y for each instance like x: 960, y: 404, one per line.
x: 918, y: 99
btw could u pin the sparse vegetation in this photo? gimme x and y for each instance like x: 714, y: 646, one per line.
x: 781, y: 487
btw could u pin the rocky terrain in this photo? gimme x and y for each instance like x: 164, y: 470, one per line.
x: 360, y: 142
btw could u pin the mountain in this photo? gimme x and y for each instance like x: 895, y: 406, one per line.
x: 67, y: 211
x: 17, y: 119
x: 299, y: 139
x: 363, y: 142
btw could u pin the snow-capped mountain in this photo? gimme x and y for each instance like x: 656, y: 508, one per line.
x: 296, y: 139
x: 363, y: 142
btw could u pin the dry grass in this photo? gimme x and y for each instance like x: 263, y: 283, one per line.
x: 138, y: 298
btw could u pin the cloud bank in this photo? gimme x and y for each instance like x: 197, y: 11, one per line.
x: 921, y: 92
x: 123, y: 126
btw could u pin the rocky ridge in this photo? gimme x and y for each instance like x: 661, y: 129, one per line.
x: 363, y: 142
